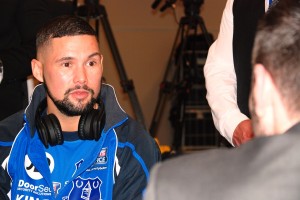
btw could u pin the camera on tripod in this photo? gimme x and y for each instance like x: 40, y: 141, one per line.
x: 184, y: 83
x: 191, y: 11
x: 192, y: 7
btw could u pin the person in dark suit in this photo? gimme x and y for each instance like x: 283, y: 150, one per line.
x: 267, y: 167
x: 19, y: 22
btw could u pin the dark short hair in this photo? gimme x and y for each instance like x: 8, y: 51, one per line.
x: 277, y: 47
x: 65, y: 25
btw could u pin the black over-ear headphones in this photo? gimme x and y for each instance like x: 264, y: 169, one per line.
x: 49, y: 130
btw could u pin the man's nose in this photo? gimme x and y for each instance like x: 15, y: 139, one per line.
x: 80, y: 75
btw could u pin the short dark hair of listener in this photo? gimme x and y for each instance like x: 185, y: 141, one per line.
x: 277, y: 47
x: 65, y: 25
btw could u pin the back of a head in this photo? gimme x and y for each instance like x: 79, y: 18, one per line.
x: 66, y: 25
x: 277, y: 47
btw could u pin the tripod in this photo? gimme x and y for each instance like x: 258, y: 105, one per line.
x: 92, y: 9
x: 174, y: 76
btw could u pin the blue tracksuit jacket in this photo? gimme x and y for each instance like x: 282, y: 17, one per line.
x: 115, y: 167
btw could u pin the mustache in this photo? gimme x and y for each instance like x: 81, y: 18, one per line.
x: 84, y: 87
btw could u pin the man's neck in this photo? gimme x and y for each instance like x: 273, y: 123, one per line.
x: 68, y: 123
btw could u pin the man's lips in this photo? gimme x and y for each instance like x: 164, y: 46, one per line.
x: 79, y: 94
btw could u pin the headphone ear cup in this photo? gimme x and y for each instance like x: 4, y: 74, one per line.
x: 42, y: 132
x: 53, y: 130
x: 97, y: 124
x: 49, y: 130
x: 81, y: 126
x: 92, y: 123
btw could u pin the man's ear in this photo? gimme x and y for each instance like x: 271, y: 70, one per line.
x: 263, y: 86
x: 37, y: 70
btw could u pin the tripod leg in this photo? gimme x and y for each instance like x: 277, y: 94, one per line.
x: 179, y: 124
x: 182, y: 92
x: 125, y: 83
x: 204, y: 31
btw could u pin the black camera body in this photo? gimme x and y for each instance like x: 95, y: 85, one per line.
x: 192, y: 7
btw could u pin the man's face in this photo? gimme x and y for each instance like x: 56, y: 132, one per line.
x: 72, y: 71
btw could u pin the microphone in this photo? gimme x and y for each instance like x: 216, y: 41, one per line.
x: 155, y: 4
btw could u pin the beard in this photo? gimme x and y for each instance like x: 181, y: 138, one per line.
x: 66, y: 107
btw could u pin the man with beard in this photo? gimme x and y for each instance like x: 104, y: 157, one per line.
x: 267, y: 167
x: 76, y: 141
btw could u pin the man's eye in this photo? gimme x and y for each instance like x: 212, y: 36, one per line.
x: 66, y: 64
x: 92, y: 63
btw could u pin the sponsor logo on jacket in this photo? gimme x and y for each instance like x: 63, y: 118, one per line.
x: 40, y: 190
x: 101, y: 161
x: 102, y: 157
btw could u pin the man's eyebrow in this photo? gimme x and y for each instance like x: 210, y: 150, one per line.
x: 64, y: 59
x: 95, y: 54
x: 70, y: 58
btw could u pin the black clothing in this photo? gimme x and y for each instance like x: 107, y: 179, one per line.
x: 19, y: 21
x: 246, y: 14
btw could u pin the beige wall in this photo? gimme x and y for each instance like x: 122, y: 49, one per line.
x: 144, y: 38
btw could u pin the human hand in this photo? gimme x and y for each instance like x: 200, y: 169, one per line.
x: 242, y: 133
